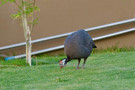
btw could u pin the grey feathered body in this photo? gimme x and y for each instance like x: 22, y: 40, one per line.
x: 78, y: 45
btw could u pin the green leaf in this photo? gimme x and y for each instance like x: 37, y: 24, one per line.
x: 16, y: 16
x: 5, y: 1
x: 11, y: 1
x: 36, y: 8
x: 36, y: 21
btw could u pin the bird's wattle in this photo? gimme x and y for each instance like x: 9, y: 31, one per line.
x: 61, y: 64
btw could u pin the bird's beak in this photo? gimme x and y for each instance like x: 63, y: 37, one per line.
x: 61, y: 64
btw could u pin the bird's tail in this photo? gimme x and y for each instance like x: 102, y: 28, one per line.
x: 94, y: 46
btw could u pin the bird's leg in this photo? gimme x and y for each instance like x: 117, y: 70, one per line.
x: 78, y: 63
x: 84, y: 63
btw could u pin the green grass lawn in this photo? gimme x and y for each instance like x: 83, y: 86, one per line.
x: 103, y: 71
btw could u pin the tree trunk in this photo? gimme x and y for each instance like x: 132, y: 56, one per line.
x: 28, y: 50
x: 27, y: 34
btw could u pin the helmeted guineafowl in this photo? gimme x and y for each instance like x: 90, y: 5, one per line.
x: 77, y: 45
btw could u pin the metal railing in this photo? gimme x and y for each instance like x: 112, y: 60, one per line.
x: 62, y: 46
x: 66, y: 34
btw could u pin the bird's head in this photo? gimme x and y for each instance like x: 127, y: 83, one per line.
x: 63, y: 62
